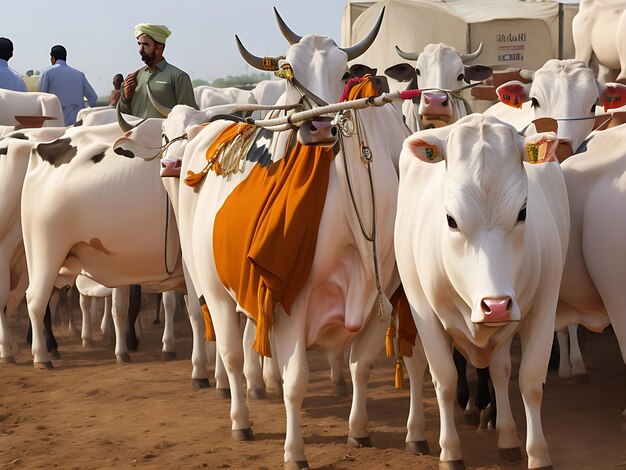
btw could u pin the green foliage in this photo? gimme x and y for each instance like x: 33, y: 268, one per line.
x: 237, y: 80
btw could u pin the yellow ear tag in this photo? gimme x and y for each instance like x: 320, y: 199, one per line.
x: 431, y: 152
x: 536, y: 152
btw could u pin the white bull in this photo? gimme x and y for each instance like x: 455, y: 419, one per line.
x: 439, y: 70
x: 481, y: 237
x: 598, y: 30
x: 16, y: 103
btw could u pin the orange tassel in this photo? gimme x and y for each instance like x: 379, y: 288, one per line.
x: 194, y: 179
x: 389, y: 337
x: 399, y: 374
x: 209, y: 331
x: 264, y: 322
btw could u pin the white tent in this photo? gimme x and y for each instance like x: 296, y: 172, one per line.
x: 514, y: 33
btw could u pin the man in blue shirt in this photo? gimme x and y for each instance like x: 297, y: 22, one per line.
x: 9, y: 78
x: 70, y: 85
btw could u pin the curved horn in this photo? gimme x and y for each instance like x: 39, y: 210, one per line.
x: 123, y: 123
x: 360, y: 47
x: 527, y: 74
x: 290, y: 36
x: 164, y: 110
x: 265, y: 63
x: 407, y: 55
x: 473, y: 55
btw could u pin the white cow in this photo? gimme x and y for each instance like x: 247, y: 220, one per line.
x: 481, y: 237
x: 339, y: 302
x: 17, y: 103
x: 14, y: 151
x: 598, y: 31
x: 440, y: 69
x: 592, y: 292
x: 207, y: 96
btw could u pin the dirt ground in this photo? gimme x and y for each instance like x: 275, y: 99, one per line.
x: 90, y: 413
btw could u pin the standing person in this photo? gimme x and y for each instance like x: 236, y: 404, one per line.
x: 168, y: 84
x: 9, y: 78
x: 118, y: 79
x: 70, y: 85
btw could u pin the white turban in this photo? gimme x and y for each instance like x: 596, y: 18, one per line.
x: 158, y: 32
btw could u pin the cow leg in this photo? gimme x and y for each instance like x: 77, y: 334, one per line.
x: 416, y: 366
x: 8, y: 346
x: 271, y: 375
x: 106, y: 325
x: 120, y: 320
x: 230, y: 348
x: 86, y: 303
x: 444, y: 377
x: 169, y: 308
x: 335, y: 360
x: 199, y: 348
x: 252, y: 363
x: 134, y: 306
x: 64, y: 303
x: 500, y: 372
x: 156, y: 320
x: 292, y: 361
x: 575, y: 355
x: 536, y: 339
x: 51, y: 342
x: 365, y: 350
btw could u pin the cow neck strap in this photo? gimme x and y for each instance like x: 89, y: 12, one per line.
x: 367, y: 158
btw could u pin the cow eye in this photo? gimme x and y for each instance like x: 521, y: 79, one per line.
x: 417, y: 72
x: 165, y: 139
x: 534, y: 103
x: 593, y: 108
x: 451, y: 222
x: 521, y: 217
x: 461, y: 77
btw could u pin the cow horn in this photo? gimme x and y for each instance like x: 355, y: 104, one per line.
x: 164, y: 110
x: 123, y: 123
x: 359, y: 48
x: 473, y: 55
x: 290, y: 36
x: 407, y: 55
x: 265, y: 63
x: 527, y: 74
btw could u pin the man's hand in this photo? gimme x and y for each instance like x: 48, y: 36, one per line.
x: 130, y: 83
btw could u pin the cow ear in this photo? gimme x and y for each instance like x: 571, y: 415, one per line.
x: 541, y: 148
x: 429, y: 149
x: 401, y: 72
x: 513, y: 93
x: 613, y: 95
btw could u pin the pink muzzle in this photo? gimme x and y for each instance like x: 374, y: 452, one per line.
x: 496, y: 310
x: 170, y: 168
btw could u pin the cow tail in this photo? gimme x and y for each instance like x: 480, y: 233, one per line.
x: 264, y: 321
x: 209, y: 331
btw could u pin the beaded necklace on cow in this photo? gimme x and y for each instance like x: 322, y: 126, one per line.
x: 348, y: 129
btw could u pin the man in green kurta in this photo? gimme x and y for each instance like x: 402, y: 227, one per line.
x: 168, y: 84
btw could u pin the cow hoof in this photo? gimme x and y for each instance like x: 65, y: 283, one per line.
x: 8, y: 360
x: 243, y: 434
x: 581, y: 379
x: 300, y: 465
x: 452, y: 465
x: 549, y: 467
x: 168, y: 355
x: 359, y: 441
x: 54, y: 354
x: 256, y: 394
x: 43, y: 365
x: 200, y: 383
x: 418, y: 447
x: 222, y: 392
x: 340, y: 390
x: 88, y: 343
x: 513, y: 454
x: 123, y: 358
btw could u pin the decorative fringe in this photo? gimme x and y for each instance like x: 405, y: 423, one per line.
x: 405, y: 347
x: 389, y: 337
x: 399, y: 374
x: 209, y: 331
x: 194, y: 179
x: 264, y: 322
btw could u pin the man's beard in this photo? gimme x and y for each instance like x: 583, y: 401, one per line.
x: 147, y: 58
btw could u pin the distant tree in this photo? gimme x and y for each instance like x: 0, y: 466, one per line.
x: 236, y: 80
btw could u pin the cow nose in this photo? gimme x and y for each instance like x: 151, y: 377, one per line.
x: 497, y: 309
x: 436, y: 99
x: 323, y: 127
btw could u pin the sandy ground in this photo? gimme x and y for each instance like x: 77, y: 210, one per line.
x: 90, y: 413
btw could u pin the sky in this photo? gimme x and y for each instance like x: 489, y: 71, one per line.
x: 100, y: 40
